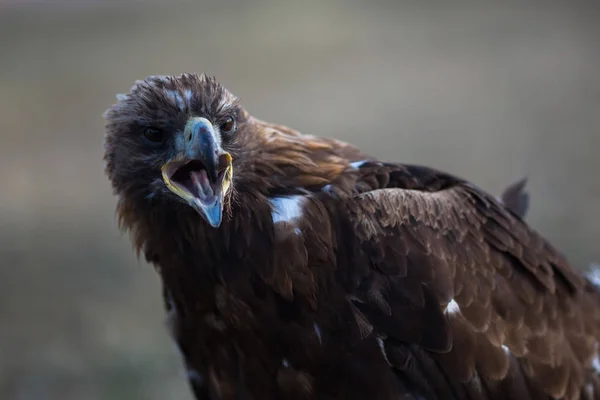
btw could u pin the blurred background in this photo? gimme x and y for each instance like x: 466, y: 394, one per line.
x: 492, y: 93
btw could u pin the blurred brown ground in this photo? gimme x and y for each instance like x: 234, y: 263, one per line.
x: 489, y: 92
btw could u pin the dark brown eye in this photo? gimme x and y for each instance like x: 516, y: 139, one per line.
x: 154, y: 135
x: 227, y: 126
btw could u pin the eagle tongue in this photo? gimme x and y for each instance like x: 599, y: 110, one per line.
x: 201, y: 185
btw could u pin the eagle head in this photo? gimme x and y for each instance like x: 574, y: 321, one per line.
x: 173, y: 138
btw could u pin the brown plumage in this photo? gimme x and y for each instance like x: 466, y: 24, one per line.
x: 297, y: 267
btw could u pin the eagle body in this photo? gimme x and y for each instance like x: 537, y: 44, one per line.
x: 298, y: 267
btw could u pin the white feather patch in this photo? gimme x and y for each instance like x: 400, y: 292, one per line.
x: 358, y: 164
x: 382, y: 348
x: 286, y: 208
x: 596, y: 363
x: 593, y: 274
x: 187, y: 93
x: 176, y: 98
x: 452, y: 307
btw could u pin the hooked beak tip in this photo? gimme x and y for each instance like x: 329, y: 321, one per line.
x: 213, y: 213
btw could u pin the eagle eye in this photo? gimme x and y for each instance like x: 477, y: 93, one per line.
x: 227, y: 126
x: 154, y: 135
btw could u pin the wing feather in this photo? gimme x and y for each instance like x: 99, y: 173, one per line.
x: 517, y: 300
x: 429, y: 261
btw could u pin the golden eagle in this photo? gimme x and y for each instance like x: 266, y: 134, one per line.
x: 298, y: 267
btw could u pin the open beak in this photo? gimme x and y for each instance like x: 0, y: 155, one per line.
x: 202, y: 173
